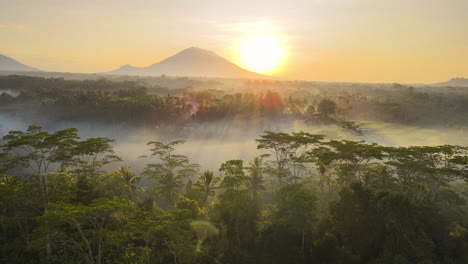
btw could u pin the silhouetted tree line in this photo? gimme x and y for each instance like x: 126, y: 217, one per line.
x: 135, y: 102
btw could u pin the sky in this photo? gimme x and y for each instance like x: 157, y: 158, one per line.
x: 405, y: 41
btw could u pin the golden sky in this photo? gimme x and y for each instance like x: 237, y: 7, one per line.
x: 409, y: 41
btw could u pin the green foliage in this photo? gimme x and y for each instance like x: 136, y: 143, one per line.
x: 154, y: 101
x: 350, y: 126
x: 389, y: 228
x: 310, y: 110
x: 93, y: 233
x: 168, y: 161
x: 295, y: 208
x: 236, y: 216
x: 93, y: 153
x: 40, y: 150
x: 169, y: 171
x: 326, y: 108
x: 341, y: 201
x: 233, y: 174
x: 207, y: 184
x: 256, y: 180
x: 122, y: 182
x: 289, y: 151
x: 286, y: 228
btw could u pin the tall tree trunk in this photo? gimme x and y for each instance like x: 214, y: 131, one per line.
x: 303, y: 241
x: 88, y: 246
x: 99, y: 253
x: 45, y: 201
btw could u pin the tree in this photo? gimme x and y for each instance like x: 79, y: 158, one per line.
x: 383, y: 204
x: 130, y: 179
x: 168, y: 161
x: 233, y: 174
x: 310, y: 110
x: 19, y: 208
x: 121, y: 182
x: 234, y: 212
x: 167, y: 187
x: 177, y: 234
x: 207, y: 183
x: 147, y: 227
x: 256, y: 181
x: 325, y: 108
x: 289, y: 151
x: 39, y: 150
x: 170, y: 170
x: 383, y: 227
x: 286, y: 226
x: 3, y: 161
x: 192, y: 192
x: 96, y: 233
x: 42, y: 152
x: 91, y: 154
x: 425, y: 170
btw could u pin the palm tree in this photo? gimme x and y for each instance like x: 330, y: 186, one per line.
x: 207, y: 183
x: 256, y: 177
x: 129, y: 179
x: 168, y: 185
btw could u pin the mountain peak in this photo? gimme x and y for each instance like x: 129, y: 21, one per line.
x: 9, y: 64
x: 457, y: 82
x: 195, y: 62
x: 196, y: 51
x: 126, y: 66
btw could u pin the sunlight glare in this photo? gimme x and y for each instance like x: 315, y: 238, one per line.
x: 261, y: 53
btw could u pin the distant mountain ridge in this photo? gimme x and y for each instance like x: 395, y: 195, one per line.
x: 193, y: 62
x: 9, y: 64
x: 461, y: 82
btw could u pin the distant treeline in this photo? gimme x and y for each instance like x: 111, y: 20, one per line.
x: 137, y: 103
x: 310, y: 200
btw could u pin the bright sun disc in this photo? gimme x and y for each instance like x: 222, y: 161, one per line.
x: 261, y: 54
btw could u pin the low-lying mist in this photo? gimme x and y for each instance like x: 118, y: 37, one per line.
x: 212, y: 143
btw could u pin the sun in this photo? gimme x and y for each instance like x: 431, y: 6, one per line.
x: 261, y: 53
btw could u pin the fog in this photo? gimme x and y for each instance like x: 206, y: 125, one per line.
x: 9, y: 92
x: 210, y: 144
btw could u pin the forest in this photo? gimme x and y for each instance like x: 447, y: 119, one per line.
x: 306, y: 200
x: 166, y: 101
x: 318, y: 184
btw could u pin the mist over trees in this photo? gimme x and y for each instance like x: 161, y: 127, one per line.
x: 68, y: 196
x: 153, y: 102
x: 307, y: 199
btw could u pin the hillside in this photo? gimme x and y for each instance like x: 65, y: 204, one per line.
x: 193, y: 62
x: 460, y: 82
x: 9, y: 64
